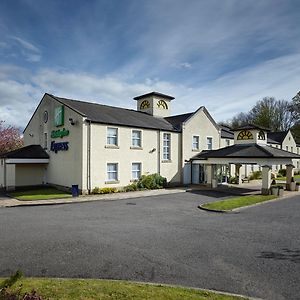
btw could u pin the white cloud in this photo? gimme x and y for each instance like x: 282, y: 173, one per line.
x: 29, y: 51
x: 20, y: 91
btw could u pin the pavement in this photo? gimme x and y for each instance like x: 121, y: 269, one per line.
x: 251, y: 188
x: 159, y: 239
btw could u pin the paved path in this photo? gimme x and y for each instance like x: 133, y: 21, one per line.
x: 159, y: 239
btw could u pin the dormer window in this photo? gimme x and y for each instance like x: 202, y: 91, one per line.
x: 145, y: 104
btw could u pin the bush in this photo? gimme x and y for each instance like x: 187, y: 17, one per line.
x: 106, y: 190
x: 151, y: 182
x: 131, y: 187
x: 255, y: 175
x: 7, y: 294
x: 282, y: 173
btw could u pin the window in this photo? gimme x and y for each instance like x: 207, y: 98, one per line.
x: 112, y: 172
x: 45, y: 140
x: 227, y: 142
x: 292, y: 149
x: 287, y: 148
x: 297, y: 150
x: 136, y: 171
x: 167, y: 146
x: 209, y: 143
x: 195, y: 142
x: 112, y: 136
x: 136, y: 138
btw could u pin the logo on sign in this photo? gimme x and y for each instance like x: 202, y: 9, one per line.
x: 63, y: 146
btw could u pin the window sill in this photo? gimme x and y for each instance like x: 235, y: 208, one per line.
x: 195, y: 150
x: 166, y: 161
x: 134, y: 180
x: 136, y: 148
x: 112, y: 182
x: 111, y: 147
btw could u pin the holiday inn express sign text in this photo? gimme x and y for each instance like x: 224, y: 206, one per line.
x: 59, y: 118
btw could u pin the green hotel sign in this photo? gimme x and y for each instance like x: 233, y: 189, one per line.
x: 59, y: 133
x: 59, y: 116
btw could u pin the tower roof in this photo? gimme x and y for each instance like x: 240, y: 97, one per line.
x: 154, y: 94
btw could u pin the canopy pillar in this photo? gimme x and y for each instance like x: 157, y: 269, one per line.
x: 289, y: 175
x: 266, y: 180
x: 237, y: 173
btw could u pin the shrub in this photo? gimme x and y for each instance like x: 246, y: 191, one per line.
x: 106, y: 190
x: 7, y: 294
x: 152, y: 181
x: 131, y: 187
x: 255, y: 175
x: 282, y: 172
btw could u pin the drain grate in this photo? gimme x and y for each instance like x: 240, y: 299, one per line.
x: 130, y: 203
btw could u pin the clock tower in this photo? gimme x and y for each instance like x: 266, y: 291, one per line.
x: 155, y: 104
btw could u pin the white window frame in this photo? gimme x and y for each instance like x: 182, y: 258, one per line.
x: 45, y: 140
x: 116, y: 172
x: 166, y: 146
x: 196, y: 143
x: 211, y: 144
x: 110, y: 136
x: 136, y: 139
x: 137, y: 172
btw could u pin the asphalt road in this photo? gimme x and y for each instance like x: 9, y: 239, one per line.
x: 159, y: 239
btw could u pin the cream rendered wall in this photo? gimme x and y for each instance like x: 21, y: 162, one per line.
x: 172, y: 169
x: 290, y: 142
x: 65, y: 167
x: 10, y: 176
x: 199, y: 125
x: 124, y: 155
x: 30, y: 174
x: 2, y: 181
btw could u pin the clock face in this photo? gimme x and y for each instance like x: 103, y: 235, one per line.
x: 245, y: 135
x: 145, y: 104
x: 162, y: 104
x: 45, y: 116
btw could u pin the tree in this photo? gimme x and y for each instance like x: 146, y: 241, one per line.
x: 295, y: 107
x: 295, y: 110
x: 269, y: 113
x: 10, y: 138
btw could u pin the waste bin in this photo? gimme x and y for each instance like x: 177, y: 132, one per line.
x: 75, y: 190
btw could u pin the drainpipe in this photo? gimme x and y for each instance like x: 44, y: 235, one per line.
x: 4, y: 165
x: 158, y: 153
x: 89, y: 157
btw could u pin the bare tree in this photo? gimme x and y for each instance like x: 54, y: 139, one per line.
x: 269, y: 113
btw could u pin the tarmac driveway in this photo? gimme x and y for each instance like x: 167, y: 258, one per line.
x: 159, y: 239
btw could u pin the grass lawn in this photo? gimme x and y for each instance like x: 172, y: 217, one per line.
x: 40, y: 194
x: 284, y: 178
x: 236, y: 202
x: 89, y: 289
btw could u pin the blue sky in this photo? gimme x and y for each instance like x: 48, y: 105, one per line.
x: 225, y: 55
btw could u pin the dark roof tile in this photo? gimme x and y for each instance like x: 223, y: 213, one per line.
x: 29, y: 152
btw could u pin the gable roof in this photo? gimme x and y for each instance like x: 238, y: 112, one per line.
x: 31, y: 151
x: 104, y: 114
x: 277, y: 137
x: 226, y: 132
x: 246, y: 151
x: 177, y: 120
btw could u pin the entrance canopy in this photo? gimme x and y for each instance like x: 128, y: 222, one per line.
x: 246, y: 154
x: 250, y: 153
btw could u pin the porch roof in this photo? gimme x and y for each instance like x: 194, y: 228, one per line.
x: 27, y: 152
x: 246, y: 151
